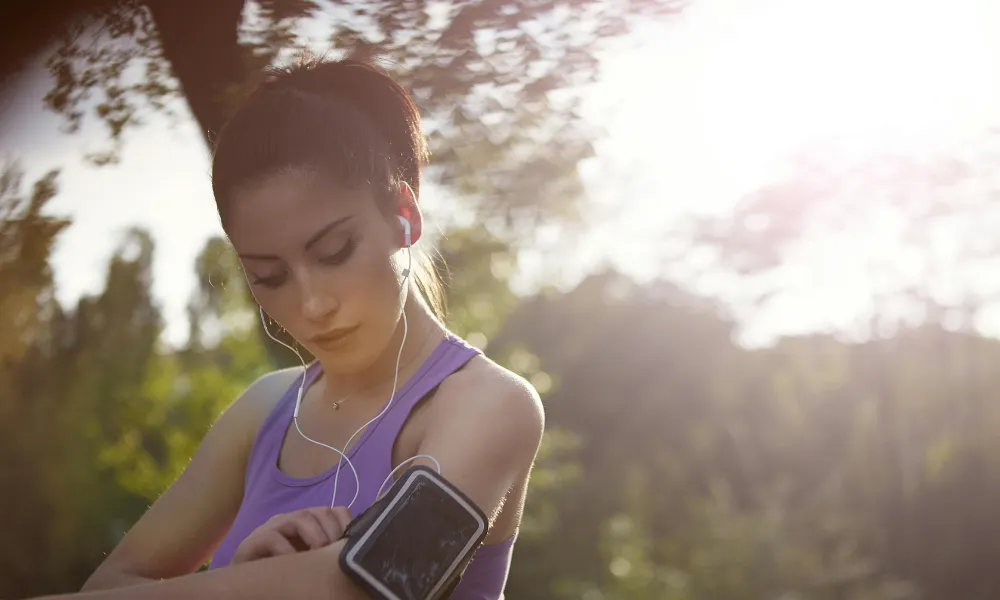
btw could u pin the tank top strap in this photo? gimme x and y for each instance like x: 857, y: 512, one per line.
x: 450, y: 356
x: 271, y: 432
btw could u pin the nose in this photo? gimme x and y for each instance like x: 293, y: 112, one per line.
x: 317, y: 305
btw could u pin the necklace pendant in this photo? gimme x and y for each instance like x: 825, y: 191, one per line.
x: 336, y: 405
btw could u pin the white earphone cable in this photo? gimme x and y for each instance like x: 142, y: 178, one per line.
x: 395, y: 383
x: 378, y: 496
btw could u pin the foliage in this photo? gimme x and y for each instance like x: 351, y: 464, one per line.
x: 676, y: 464
x: 499, y: 85
x: 26, y: 239
x: 920, y: 228
x: 813, y: 469
x: 498, y: 82
x: 477, y: 267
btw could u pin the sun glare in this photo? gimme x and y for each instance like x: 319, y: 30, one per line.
x: 863, y: 74
x: 713, y: 101
x: 711, y: 106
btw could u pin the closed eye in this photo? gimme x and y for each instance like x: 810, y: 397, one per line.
x: 272, y: 281
x: 342, y: 255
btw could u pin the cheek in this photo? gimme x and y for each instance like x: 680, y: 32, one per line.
x: 366, y: 288
x: 372, y: 285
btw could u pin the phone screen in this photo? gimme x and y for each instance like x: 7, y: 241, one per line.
x: 411, y: 552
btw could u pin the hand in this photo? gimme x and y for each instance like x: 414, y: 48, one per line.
x: 306, y: 529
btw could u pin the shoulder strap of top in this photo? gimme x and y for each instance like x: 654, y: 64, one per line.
x: 450, y: 356
x: 272, y: 430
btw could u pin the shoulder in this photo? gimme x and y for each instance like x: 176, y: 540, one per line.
x: 246, y: 414
x: 488, y: 399
x: 268, y: 388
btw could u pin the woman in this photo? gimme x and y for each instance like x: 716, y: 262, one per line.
x: 311, y: 176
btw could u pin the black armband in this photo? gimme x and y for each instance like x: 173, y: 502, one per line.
x: 415, y: 542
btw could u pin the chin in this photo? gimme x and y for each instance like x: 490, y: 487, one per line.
x: 357, y: 352
x: 346, y: 359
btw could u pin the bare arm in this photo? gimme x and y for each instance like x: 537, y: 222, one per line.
x: 183, y: 527
x: 485, y: 433
x: 483, y: 446
x: 312, y: 574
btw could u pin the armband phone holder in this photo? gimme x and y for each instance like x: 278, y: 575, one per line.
x: 414, y: 542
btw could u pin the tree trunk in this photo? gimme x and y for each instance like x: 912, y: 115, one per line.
x: 29, y: 26
x: 200, y: 41
x: 201, y: 44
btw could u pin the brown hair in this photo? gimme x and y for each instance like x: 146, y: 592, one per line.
x: 348, y: 118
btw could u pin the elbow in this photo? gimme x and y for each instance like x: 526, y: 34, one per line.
x: 108, y: 577
x: 101, y: 579
x: 98, y: 580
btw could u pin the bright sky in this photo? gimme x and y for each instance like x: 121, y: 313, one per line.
x: 698, y: 112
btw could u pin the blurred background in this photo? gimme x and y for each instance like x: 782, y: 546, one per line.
x: 747, y: 250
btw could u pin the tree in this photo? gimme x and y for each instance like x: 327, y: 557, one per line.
x: 105, y: 348
x: 185, y: 391
x: 70, y: 386
x: 27, y: 237
x: 676, y: 464
x: 938, y: 212
x: 497, y: 80
x: 702, y: 469
x: 101, y: 418
x: 907, y: 202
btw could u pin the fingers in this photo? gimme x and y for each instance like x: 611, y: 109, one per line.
x: 307, y: 527
x: 340, y: 518
x: 273, y: 544
x: 342, y: 514
x: 278, y: 545
x: 327, y: 521
x: 333, y: 521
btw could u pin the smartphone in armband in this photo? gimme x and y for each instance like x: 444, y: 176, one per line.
x: 414, y: 542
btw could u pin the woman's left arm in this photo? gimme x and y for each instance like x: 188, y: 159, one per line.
x: 484, y: 437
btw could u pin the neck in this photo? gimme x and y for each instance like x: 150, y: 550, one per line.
x: 423, y: 334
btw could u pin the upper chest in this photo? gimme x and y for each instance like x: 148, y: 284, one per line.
x: 310, y: 447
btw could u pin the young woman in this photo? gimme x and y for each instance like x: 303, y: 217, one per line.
x: 311, y: 176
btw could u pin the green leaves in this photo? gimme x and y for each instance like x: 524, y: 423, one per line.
x: 499, y: 83
x: 675, y: 464
x: 812, y: 469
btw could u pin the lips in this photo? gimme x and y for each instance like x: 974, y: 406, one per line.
x: 334, y: 337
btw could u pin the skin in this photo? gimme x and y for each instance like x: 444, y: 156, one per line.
x: 483, y: 424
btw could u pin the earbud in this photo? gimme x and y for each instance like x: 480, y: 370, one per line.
x: 406, y: 240
x: 406, y: 230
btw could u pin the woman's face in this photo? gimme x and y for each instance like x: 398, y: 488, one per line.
x: 320, y: 260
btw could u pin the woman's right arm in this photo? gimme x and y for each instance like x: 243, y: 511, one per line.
x: 183, y: 527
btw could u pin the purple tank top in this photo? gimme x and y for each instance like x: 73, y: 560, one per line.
x: 268, y: 492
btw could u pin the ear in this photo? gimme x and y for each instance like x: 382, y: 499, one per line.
x: 409, y: 210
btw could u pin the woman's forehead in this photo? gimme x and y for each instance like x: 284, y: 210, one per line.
x: 290, y: 205
x: 296, y: 184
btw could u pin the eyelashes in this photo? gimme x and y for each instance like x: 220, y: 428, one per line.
x: 342, y: 255
x: 272, y: 282
x: 336, y: 259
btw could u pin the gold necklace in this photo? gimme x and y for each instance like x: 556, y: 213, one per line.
x: 336, y: 405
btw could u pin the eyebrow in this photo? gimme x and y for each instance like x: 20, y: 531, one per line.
x: 309, y: 243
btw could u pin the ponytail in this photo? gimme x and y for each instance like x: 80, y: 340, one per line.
x: 429, y: 281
